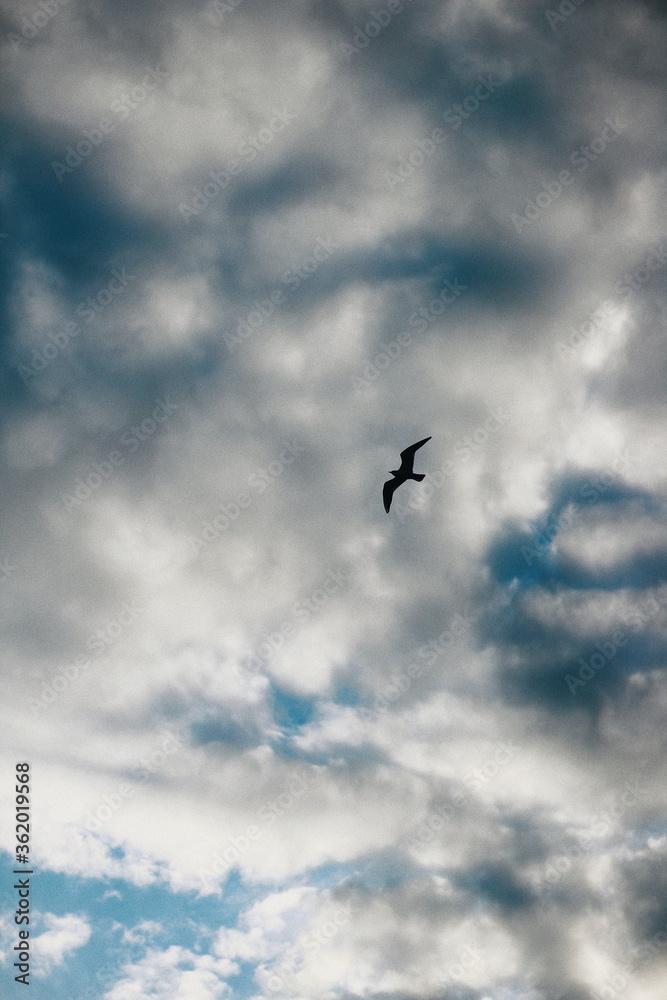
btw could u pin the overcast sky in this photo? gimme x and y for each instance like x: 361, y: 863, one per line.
x: 282, y: 743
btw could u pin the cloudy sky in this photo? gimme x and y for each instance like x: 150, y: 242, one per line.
x: 282, y: 744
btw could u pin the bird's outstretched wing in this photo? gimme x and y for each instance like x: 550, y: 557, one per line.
x: 408, y: 454
x: 388, y: 492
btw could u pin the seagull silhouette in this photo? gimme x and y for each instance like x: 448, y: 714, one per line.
x: 402, y: 475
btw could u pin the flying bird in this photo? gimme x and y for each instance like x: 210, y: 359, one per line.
x: 402, y: 475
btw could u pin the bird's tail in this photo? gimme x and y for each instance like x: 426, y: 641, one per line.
x: 419, y: 477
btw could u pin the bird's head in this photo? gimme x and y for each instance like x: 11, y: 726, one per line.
x: 393, y: 472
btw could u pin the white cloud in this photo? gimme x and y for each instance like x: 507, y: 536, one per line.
x: 139, y: 933
x: 367, y: 781
x: 173, y: 974
x: 63, y: 935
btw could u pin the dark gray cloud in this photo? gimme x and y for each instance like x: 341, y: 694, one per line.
x: 272, y: 258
